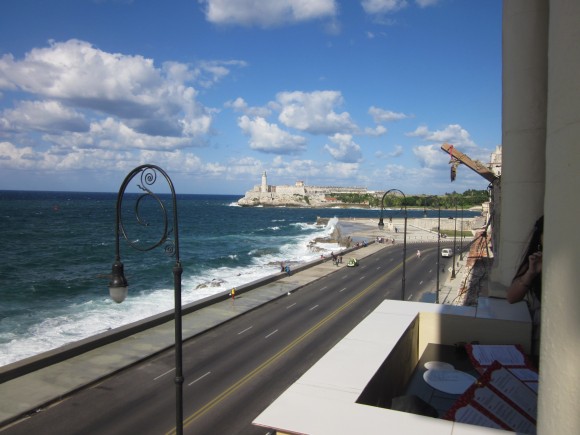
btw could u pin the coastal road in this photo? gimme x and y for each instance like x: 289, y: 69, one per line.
x: 236, y: 370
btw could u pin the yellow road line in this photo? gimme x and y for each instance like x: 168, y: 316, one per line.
x: 223, y: 395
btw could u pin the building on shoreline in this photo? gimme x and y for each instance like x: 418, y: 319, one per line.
x: 297, y: 195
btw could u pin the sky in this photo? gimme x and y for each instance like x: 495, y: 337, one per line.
x: 330, y: 92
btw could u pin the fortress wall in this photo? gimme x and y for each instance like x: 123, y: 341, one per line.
x: 289, y: 190
x: 326, y: 190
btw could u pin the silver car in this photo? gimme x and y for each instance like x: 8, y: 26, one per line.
x: 447, y: 252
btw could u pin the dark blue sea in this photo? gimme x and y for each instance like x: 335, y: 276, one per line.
x: 58, y: 249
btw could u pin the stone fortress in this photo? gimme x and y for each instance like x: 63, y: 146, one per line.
x: 298, y: 195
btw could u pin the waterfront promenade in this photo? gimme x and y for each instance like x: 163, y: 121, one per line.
x: 24, y: 391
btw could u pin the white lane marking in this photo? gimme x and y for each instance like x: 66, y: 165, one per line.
x: 409, y: 298
x: 362, y: 277
x: 315, y: 306
x: 198, y: 379
x: 290, y: 306
x: 271, y: 333
x: 345, y: 277
x: 245, y: 330
x: 430, y: 270
x: 323, y: 288
x: 163, y: 374
x: 340, y: 291
x: 420, y: 282
x: 379, y: 268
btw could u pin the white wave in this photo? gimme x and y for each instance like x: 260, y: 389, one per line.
x: 305, y: 226
x: 100, y: 314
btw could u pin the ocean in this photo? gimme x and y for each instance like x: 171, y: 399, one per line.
x: 58, y: 249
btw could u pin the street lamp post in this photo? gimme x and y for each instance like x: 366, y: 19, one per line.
x: 118, y: 287
x: 461, y: 240
x: 454, y: 241
x: 382, y: 225
x: 438, y: 247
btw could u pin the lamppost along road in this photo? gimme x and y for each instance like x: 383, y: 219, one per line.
x: 397, y: 192
x: 147, y: 175
x: 236, y: 370
x: 438, y: 244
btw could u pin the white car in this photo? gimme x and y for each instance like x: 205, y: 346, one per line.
x: 447, y: 252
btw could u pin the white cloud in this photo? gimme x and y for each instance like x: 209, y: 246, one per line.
x: 152, y: 100
x: 454, y: 133
x: 245, y: 166
x: 334, y: 172
x: 208, y: 73
x: 239, y: 105
x: 396, y: 152
x: 13, y: 157
x: 382, y: 6
x: 341, y: 170
x: 52, y: 160
x: 293, y: 170
x: 426, y: 3
x: 381, y: 115
x: 267, y: 13
x: 269, y: 138
x: 46, y: 116
x: 431, y: 156
x: 346, y: 151
x: 114, y: 135
x: 314, y: 112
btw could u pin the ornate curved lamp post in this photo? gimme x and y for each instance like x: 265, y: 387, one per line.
x: 382, y: 225
x: 118, y: 287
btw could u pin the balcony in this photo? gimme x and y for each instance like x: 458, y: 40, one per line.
x: 375, y: 363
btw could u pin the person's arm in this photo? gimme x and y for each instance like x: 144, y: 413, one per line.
x: 522, y: 284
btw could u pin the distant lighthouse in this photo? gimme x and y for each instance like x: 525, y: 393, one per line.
x: 264, y: 188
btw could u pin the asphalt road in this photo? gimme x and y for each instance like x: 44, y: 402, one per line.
x: 236, y: 370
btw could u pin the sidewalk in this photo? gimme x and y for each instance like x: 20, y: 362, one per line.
x: 28, y: 393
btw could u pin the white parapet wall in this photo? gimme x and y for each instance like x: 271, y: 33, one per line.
x: 324, y: 400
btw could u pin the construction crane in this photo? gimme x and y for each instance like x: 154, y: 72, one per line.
x: 457, y: 157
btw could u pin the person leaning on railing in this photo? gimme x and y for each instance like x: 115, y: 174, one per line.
x: 527, y: 283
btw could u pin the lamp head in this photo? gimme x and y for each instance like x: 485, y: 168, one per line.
x: 118, y: 286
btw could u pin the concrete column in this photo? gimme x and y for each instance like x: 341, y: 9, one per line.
x: 560, y: 341
x: 524, y: 77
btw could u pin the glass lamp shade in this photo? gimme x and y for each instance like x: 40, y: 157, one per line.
x: 118, y: 286
x: 118, y: 294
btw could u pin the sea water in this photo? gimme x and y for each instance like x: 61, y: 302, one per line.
x: 58, y: 249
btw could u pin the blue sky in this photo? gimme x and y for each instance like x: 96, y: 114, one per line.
x: 330, y: 92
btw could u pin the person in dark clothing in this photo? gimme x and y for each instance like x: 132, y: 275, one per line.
x: 527, y: 282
